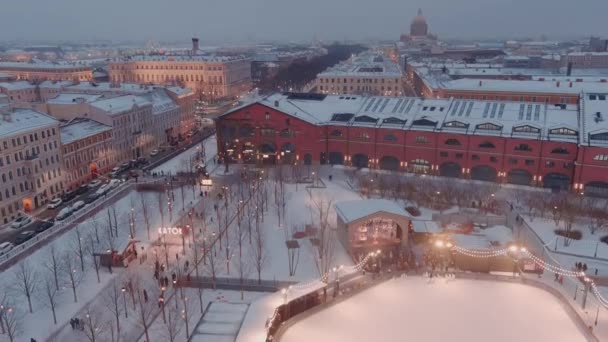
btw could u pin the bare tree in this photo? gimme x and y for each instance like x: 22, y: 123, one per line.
x: 293, y: 249
x: 4, y: 303
x: 279, y: 193
x: 26, y: 281
x: 259, y: 248
x: 50, y: 293
x: 96, y: 226
x: 54, y: 265
x: 144, y: 205
x: 93, y: 324
x: 92, y: 253
x: 173, y: 324
x: 73, y: 276
x: 323, y: 245
x: 12, y: 320
x: 112, y: 301
x: 196, y: 250
x: 212, y: 261
x: 145, y: 309
x: 79, y: 248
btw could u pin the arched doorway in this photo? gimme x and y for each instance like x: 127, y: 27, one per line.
x: 556, y: 181
x: 248, y: 153
x: 336, y: 158
x: 420, y: 166
x: 484, y: 173
x: 308, y: 159
x: 597, y: 189
x: 268, y: 153
x: 288, y: 153
x: 360, y: 160
x: 518, y: 176
x: 450, y: 169
x: 389, y: 163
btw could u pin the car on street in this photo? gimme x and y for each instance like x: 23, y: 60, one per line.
x: 24, y: 237
x: 78, y: 205
x: 82, y: 189
x: 43, y: 225
x: 68, y: 196
x: 113, y: 183
x: 21, y: 221
x: 94, y: 183
x: 91, y: 198
x: 64, y: 213
x: 5, y: 247
x: 207, y: 122
x: 54, y: 203
x: 142, y: 161
x: 153, y: 153
x: 125, y: 165
x: 115, y: 171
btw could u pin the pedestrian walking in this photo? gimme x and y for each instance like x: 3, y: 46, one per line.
x: 145, y: 296
x: 556, y: 277
x: 584, y: 267
x: 72, y: 323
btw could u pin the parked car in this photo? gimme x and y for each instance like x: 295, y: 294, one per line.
x: 82, y: 189
x: 91, y: 198
x: 78, y: 205
x: 64, y: 213
x: 5, y: 247
x: 113, y: 183
x: 21, y: 221
x: 115, y: 171
x: 142, y: 161
x: 190, y: 134
x: 94, y: 183
x: 207, y: 121
x: 68, y: 196
x: 54, y: 203
x: 24, y: 236
x: 43, y: 225
x: 125, y: 165
x: 153, y: 153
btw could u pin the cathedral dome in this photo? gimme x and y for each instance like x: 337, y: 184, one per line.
x: 419, y: 26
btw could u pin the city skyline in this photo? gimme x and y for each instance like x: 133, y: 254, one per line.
x: 263, y: 20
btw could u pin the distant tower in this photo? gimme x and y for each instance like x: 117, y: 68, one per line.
x: 419, y: 27
x: 194, y: 45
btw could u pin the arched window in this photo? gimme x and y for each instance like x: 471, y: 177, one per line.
x: 390, y: 137
x: 336, y: 133
x: 487, y: 144
x: 452, y: 142
x: 560, y: 150
x: 601, y: 157
x: 421, y: 140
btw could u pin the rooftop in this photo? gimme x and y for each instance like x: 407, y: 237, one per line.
x: 350, y: 211
x: 594, y: 116
x: 79, y: 129
x: 42, y: 65
x: 502, y: 118
x: 179, y: 58
x: 539, y: 87
x: 24, y: 120
x: 18, y: 85
x: 161, y: 102
x: 69, y: 98
x: 366, y: 64
x: 120, y: 104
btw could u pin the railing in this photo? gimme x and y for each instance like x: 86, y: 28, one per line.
x: 14, y: 255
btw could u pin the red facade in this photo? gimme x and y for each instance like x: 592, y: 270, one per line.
x: 262, y: 134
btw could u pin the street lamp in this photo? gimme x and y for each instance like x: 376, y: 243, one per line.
x: 124, y: 300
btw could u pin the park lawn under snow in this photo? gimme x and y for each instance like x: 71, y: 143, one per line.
x: 412, y: 309
x: 181, y: 161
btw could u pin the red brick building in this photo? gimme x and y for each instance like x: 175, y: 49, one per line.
x: 539, y: 144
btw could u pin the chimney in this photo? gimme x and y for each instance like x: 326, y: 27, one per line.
x: 570, y: 84
x: 480, y: 83
x: 558, y: 84
x: 569, y: 70
x: 194, y: 45
x: 276, y: 103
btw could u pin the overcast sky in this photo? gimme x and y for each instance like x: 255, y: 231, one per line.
x: 258, y: 20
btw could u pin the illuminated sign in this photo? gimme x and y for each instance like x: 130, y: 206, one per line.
x: 170, y: 231
x: 207, y: 182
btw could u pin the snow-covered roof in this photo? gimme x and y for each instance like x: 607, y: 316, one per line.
x: 350, y: 211
x: 79, y: 129
x: 55, y: 84
x: 120, y: 104
x: 18, y: 85
x: 409, y: 113
x: 70, y: 98
x: 23, y: 120
x: 179, y: 91
x: 366, y: 64
x: 179, y: 58
x: 67, y: 66
x: 161, y: 102
x: 539, y: 87
x: 6, y: 76
x: 426, y: 227
x: 132, y: 88
x: 594, y: 116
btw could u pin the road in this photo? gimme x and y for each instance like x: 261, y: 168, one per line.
x: 9, y: 234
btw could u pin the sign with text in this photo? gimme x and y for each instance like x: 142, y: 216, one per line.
x: 171, y: 231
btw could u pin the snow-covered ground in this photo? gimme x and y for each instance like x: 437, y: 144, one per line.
x: 411, y: 309
x: 181, y: 162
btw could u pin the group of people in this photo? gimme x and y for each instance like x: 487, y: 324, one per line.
x: 77, y: 323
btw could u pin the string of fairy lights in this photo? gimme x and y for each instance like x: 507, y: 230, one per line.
x: 474, y: 253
